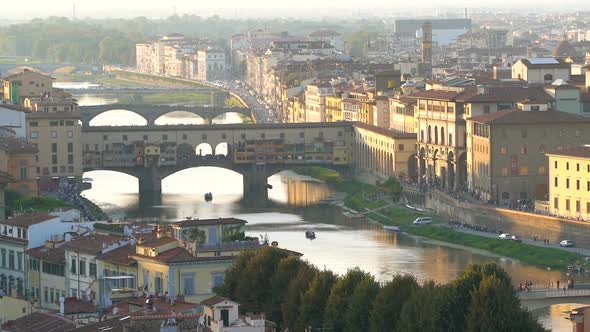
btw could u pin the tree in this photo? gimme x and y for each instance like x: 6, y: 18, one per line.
x: 419, y: 312
x: 494, y: 307
x: 197, y: 235
x: 360, y: 304
x: 337, y: 303
x: 389, y: 302
x: 233, y: 275
x: 458, y: 294
x: 285, y: 272
x: 314, y: 300
x: 291, y: 306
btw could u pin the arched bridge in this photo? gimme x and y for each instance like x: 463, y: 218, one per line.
x: 152, y: 112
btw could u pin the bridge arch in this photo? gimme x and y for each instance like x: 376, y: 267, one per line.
x: 190, y: 118
x: 230, y: 117
x: 203, y: 149
x: 99, y: 119
x: 221, y: 149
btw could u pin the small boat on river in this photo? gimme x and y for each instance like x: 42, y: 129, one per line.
x: 391, y: 228
x: 208, y: 197
x: 310, y: 235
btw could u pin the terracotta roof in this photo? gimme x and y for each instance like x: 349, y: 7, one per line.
x: 91, y: 244
x: 119, y: 256
x: 405, y: 100
x: 385, y: 132
x: 202, y: 222
x: 580, y: 151
x: 29, y: 219
x: 324, y: 33
x: 74, y: 305
x: 53, y: 255
x: 214, y: 300
x: 13, y: 239
x: 180, y: 255
x: 156, y: 242
x: 506, y: 94
x: 40, y: 322
x: 17, y: 75
x: 13, y: 145
x: 528, y: 117
x: 436, y: 94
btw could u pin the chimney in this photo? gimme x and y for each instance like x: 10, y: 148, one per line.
x: 62, y: 301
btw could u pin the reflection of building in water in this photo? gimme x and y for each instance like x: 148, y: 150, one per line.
x: 303, y: 193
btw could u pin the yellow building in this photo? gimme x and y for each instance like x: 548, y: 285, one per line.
x: 27, y: 84
x: 334, y: 108
x: 569, y: 182
x: 57, y: 135
x: 506, y: 158
x: 401, y: 111
x: 192, y: 262
x: 46, y: 275
x: 17, y: 159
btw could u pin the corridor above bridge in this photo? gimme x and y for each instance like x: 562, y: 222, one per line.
x: 152, y: 112
x: 254, y: 150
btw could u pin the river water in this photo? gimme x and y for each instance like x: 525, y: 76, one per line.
x: 339, y: 245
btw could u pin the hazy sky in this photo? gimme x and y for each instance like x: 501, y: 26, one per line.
x: 158, y: 8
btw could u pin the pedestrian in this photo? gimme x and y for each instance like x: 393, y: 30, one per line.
x: 557, y: 284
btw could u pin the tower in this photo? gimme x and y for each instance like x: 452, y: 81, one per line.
x: 427, y: 49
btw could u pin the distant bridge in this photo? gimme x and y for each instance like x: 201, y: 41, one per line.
x: 256, y: 151
x: 47, y: 68
x: 152, y: 112
x: 540, y: 298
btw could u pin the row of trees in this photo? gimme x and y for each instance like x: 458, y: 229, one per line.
x: 112, y: 41
x: 298, y: 296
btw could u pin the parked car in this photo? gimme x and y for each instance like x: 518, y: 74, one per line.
x: 505, y: 236
x: 516, y: 238
x: 423, y: 221
x: 566, y: 243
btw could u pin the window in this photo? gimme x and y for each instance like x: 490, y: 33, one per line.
x: 301, y: 134
x: 51, y: 295
x: 92, y: 269
x: 567, y: 166
x: 46, y: 294
x: 33, y: 124
x: 567, y: 204
x: 577, y: 184
x: 158, y: 283
x: 204, y: 136
x: 401, y: 147
x: 11, y: 259
x: 556, y: 203
x: 3, y: 257
x: 70, y: 134
x: 73, y: 265
x: 523, y: 149
x: 105, y: 137
x: 70, y: 147
x: 523, y: 133
x: 164, y: 137
x: 541, y: 170
x: 556, y: 182
x: 54, y: 134
x: 124, y: 137
x: 54, y: 160
x: 184, y: 136
x: 83, y: 267
x: 217, y: 278
x: 19, y: 261
x: 555, y: 164
x: 53, y: 147
x: 504, y: 171
x: 578, y: 204
x: 34, y: 265
x: 567, y: 183
x: 23, y: 173
x: 524, y: 170
x: 548, y: 77
x: 577, y: 167
x: 145, y: 137
x: 503, y: 150
x: 486, y: 109
x: 588, y: 185
x: 243, y: 136
x: 588, y: 207
x: 34, y: 134
x: 188, y: 283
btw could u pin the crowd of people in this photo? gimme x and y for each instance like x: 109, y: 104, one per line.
x: 69, y: 193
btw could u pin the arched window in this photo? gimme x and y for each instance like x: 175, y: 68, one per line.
x: 442, y: 135
x: 436, y: 135
x: 548, y: 77
x: 429, y: 134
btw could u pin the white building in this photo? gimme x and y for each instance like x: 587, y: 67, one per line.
x: 221, y: 315
x: 541, y: 70
x: 29, y: 231
x: 12, y: 122
x: 315, y: 101
x: 330, y: 36
x: 211, y: 64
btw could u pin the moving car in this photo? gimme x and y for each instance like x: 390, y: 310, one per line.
x: 423, y: 221
x: 516, y: 238
x: 505, y: 236
x: 566, y: 243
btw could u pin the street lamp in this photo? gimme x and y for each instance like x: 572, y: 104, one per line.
x: 549, y: 274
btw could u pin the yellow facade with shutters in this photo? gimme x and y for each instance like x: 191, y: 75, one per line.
x: 569, y: 185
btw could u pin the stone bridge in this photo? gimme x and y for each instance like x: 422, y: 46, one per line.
x: 542, y: 298
x: 47, y: 68
x: 152, y: 112
x: 256, y: 151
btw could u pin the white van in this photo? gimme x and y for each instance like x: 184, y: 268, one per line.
x: 423, y: 221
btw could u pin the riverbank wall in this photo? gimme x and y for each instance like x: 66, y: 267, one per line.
x: 497, y: 218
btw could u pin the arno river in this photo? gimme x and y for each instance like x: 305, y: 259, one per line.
x: 339, y: 244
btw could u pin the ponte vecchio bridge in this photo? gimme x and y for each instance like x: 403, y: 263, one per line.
x: 256, y: 151
x: 152, y: 112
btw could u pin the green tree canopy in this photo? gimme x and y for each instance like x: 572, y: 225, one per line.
x: 360, y: 304
x: 389, y: 302
x: 314, y: 300
x: 337, y: 303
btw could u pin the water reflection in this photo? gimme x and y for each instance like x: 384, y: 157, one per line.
x: 91, y: 99
x: 554, y: 316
